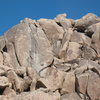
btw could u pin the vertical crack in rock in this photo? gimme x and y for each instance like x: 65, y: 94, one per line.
x: 16, y: 55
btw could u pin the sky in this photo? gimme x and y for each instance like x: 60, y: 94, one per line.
x: 12, y: 11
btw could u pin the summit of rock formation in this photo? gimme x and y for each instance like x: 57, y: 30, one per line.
x: 51, y: 59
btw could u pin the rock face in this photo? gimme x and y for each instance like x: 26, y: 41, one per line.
x: 30, y: 47
x: 51, y: 59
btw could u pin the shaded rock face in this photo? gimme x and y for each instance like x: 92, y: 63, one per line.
x: 51, y: 59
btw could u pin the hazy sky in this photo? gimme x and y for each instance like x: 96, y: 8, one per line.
x: 12, y: 11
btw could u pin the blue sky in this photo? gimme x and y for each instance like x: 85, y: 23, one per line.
x: 12, y: 11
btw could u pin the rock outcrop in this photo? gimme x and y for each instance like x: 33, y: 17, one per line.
x: 51, y: 59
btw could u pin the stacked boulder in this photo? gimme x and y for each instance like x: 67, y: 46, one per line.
x: 51, y: 59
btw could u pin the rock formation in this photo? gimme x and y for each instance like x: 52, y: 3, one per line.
x: 51, y: 59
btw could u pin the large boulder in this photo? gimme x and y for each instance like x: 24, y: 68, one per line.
x: 54, y: 33
x: 95, y: 37
x: 52, y: 30
x: 54, y: 79
x: 80, y: 38
x: 68, y: 85
x: 86, y: 21
x: 82, y: 82
x: 18, y: 83
x: 63, y: 21
x: 27, y: 45
x: 93, y: 88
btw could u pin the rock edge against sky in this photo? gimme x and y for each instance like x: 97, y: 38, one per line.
x: 51, y: 59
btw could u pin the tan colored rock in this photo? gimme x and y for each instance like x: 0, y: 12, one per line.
x: 63, y: 67
x: 82, y: 82
x: 27, y: 20
x: 18, y: 83
x: 95, y: 37
x: 25, y: 43
x: 56, y: 48
x: 4, y: 98
x: 61, y: 16
x: 40, y: 60
x: 38, y: 95
x: 5, y: 68
x: 80, y: 70
x: 9, y: 92
x: 11, y: 52
x: 7, y: 59
x: 73, y: 51
x: 4, y: 82
x: 63, y: 50
x: 28, y: 82
x: 68, y: 85
x: 92, y: 65
x: 65, y: 42
x: 51, y: 59
x: 33, y: 85
x: 74, y: 65
x: 32, y: 73
x: 80, y: 38
x: 30, y: 21
x: 65, y: 23
x: 34, y: 95
x: 2, y: 72
x: 70, y: 96
x: 2, y: 43
x: 1, y: 59
x: 54, y: 33
x: 54, y: 79
x: 92, y: 29
x: 86, y: 21
x: 21, y: 71
x: 83, y: 63
x: 93, y: 88
x: 83, y: 66
x: 58, y: 61
x: 16, y: 44
x: 43, y: 73
x: 88, y: 52
x: 52, y: 30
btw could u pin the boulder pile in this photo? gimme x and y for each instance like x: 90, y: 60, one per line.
x: 51, y: 59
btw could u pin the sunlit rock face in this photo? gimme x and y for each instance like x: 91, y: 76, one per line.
x: 51, y: 59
